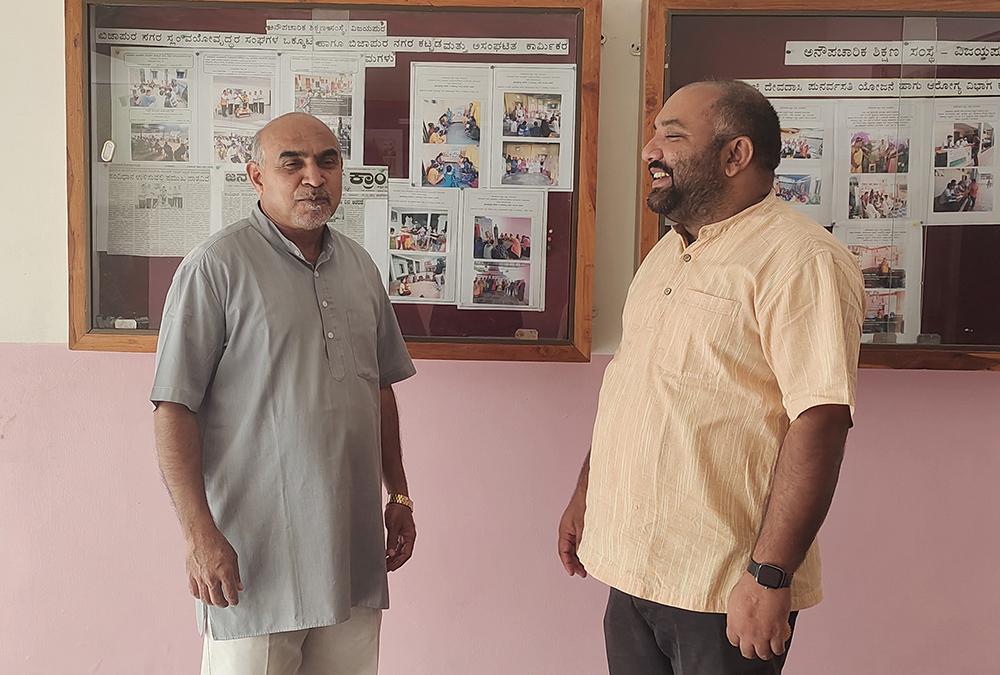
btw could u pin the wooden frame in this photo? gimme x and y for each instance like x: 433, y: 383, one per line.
x: 83, y: 336
x: 654, y: 17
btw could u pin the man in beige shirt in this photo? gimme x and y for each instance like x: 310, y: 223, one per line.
x: 722, y: 418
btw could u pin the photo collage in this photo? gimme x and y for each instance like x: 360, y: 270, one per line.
x: 502, y: 132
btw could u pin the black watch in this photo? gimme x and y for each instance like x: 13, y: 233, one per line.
x: 769, y: 576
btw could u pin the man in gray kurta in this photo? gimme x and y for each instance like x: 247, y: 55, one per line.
x: 276, y: 423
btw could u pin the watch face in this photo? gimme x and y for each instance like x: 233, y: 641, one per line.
x: 770, y: 576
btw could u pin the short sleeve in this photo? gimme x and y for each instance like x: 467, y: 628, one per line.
x: 191, y: 341
x: 394, y: 363
x: 811, y: 333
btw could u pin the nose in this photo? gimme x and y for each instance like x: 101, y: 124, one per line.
x: 651, y: 151
x: 312, y: 175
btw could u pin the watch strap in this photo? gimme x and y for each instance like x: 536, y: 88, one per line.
x: 769, y: 576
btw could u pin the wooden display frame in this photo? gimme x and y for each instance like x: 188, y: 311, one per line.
x: 577, y: 347
x: 655, y: 20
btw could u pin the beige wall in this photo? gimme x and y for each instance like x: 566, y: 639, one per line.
x: 33, y: 264
x: 33, y: 295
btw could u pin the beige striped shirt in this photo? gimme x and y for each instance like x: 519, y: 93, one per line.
x: 724, y: 342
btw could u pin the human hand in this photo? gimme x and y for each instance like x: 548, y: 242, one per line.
x: 757, y: 618
x: 213, y: 570
x: 400, y: 535
x: 570, y: 532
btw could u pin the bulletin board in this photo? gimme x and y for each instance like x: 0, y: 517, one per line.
x: 469, y: 136
x: 890, y: 113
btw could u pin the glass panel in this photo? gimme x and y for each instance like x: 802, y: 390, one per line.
x: 174, y: 115
x: 888, y: 133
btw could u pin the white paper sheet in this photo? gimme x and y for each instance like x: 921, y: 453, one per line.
x: 532, y: 125
x: 963, y: 148
x: 157, y: 211
x: 449, y: 136
x: 238, y: 91
x: 503, y: 250
x: 154, y: 101
x: 804, y: 177
x: 880, y: 171
x: 420, y: 251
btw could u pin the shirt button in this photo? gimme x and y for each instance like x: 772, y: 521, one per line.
x: 326, y: 304
x: 316, y: 274
x: 667, y: 291
x: 330, y: 335
x: 687, y: 257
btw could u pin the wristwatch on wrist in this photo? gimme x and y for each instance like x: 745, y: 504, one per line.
x: 769, y: 576
x: 402, y: 500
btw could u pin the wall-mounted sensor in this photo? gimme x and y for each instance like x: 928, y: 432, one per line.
x: 108, y: 151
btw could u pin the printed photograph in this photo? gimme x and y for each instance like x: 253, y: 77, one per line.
x: 534, y: 115
x: 501, y: 238
x: 160, y: 143
x: 158, y: 88
x: 876, y: 197
x: 450, y: 122
x: 449, y: 166
x: 247, y: 99
x: 414, y: 277
x: 530, y: 164
x: 500, y: 283
x: 418, y: 231
x: 880, y: 265
x: 883, y: 312
x: 958, y: 190
x: 801, y: 143
x: 798, y: 188
x: 159, y: 196
x: 879, y: 152
x: 961, y: 144
x: 324, y: 95
x: 232, y: 146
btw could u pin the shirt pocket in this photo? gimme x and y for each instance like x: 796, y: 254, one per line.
x: 364, y: 343
x: 694, y: 338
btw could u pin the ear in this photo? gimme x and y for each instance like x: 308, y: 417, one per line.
x: 254, y: 174
x: 737, y: 155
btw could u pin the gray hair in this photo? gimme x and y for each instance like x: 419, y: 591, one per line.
x: 256, y: 149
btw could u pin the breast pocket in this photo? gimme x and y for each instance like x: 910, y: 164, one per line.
x: 364, y: 343
x: 694, y: 338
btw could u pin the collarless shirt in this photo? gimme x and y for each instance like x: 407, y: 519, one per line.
x: 725, y: 341
x: 282, y: 363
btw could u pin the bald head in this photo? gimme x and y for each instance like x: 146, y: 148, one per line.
x: 295, y: 119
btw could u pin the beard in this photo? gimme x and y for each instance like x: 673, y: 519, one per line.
x: 312, y: 216
x: 697, y: 187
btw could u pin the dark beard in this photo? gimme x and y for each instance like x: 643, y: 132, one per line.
x: 694, y: 195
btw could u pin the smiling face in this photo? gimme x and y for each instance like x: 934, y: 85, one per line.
x: 300, y: 177
x: 683, y: 158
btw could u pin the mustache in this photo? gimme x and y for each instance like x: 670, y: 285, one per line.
x: 313, y: 193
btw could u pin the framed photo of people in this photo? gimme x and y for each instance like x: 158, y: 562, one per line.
x: 888, y: 115
x: 461, y: 127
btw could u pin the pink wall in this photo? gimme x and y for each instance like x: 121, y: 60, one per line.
x: 91, y: 561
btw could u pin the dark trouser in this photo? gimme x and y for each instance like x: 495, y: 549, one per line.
x: 646, y: 638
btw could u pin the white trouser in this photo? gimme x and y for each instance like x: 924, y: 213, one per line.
x: 349, y: 648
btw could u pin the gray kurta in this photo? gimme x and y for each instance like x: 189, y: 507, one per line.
x: 283, y: 366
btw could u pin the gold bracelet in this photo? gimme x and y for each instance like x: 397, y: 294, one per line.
x: 402, y: 500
